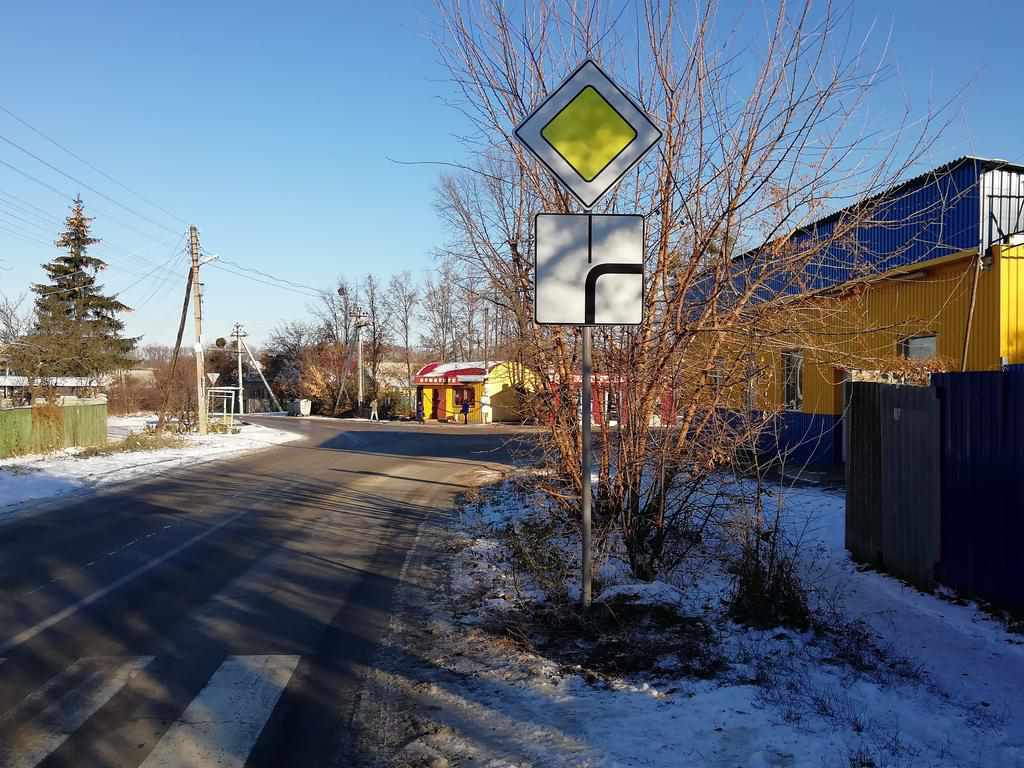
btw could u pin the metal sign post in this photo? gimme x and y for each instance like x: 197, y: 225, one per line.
x: 588, y: 267
x: 587, y: 556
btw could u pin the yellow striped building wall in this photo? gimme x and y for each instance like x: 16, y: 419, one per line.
x: 861, y: 326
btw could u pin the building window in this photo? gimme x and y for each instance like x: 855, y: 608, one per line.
x: 611, y: 406
x: 792, y: 380
x: 464, y: 395
x: 715, y: 377
x: 750, y: 394
x: 918, y: 347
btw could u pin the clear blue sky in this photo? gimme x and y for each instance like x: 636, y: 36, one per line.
x: 270, y: 125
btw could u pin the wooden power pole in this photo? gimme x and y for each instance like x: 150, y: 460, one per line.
x: 238, y: 333
x: 197, y: 301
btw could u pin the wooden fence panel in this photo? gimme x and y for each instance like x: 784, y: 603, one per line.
x: 982, y: 459
x: 893, y: 502
x: 35, y: 430
x: 911, y: 501
x: 863, y: 474
x: 15, y: 431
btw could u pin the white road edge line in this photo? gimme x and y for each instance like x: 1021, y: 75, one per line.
x: 222, y: 723
x: 25, y: 635
x: 61, y: 718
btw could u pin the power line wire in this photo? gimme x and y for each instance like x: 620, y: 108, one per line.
x: 18, y: 202
x: 30, y: 237
x: 308, y: 292
x: 48, y: 225
x: 29, y: 176
x: 65, y: 197
x: 145, y: 275
x: 161, y: 288
x: 92, y: 189
x: 86, y: 163
x: 269, y: 276
x: 22, y: 236
x: 167, y: 269
x: 9, y: 214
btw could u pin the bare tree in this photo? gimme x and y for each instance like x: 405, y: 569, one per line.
x: 748, y: 156
x: 335, y: 312
x: 439, y: 311
x: 377, y: 329
x: 285, y: 354
x: 336, y: 316
x: 15, y: 320
x: 401, y: 301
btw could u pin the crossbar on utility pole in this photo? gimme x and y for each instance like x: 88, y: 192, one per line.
x: 238, y: 334
x: 587, y: 556
x: 197, y: 301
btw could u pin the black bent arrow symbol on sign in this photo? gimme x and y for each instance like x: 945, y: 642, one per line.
x: 590, y: 285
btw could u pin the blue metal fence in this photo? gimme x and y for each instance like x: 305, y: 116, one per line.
x: 982, y: 483
x: 807, y: 438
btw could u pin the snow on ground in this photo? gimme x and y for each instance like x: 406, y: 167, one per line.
x: 903, y: 679
x: 30, y: 478
x: 119, y: 427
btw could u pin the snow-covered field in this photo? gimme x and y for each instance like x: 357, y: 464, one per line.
x: 30, y: 478
x: 902, y: 678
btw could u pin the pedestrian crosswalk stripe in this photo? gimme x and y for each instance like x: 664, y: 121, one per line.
x: 94, y: 681
x: 222, y: 723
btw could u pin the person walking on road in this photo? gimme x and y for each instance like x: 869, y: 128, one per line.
x: 419, y: 411
x: 465, y: 411
x: 373, y: 410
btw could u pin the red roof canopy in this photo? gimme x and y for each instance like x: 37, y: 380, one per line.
x: 452, y: 373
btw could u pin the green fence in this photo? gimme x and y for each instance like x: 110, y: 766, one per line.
x: 45, y: 428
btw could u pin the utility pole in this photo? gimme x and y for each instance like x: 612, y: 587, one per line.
x: 359, y: 316
x: 237, y: 332
x: 197, y: 301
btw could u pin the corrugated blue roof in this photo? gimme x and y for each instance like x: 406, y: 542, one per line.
x: 931, y: 215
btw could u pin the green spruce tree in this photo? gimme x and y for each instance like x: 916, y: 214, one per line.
x: 77, y: 330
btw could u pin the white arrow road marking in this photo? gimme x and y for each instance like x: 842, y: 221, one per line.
x: 44, y: 733
x: 221, y: 725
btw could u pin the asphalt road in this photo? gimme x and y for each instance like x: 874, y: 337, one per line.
x: 224, y: 615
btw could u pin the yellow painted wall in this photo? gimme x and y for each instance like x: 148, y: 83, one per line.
x: 862, y: 327
x: 454, y: 411
x: 505, y: 398
x: 1009, y: 261
x: 451, y: 410
x: 428, y: 402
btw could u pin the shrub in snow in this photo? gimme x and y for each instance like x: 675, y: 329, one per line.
x: 767, y: 588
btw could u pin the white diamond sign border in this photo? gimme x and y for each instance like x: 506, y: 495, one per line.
x: 647, y: 133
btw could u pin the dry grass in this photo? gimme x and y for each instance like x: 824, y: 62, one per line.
x: 141, y: 441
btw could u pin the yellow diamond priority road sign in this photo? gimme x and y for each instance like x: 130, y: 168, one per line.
x: 588, y: 133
